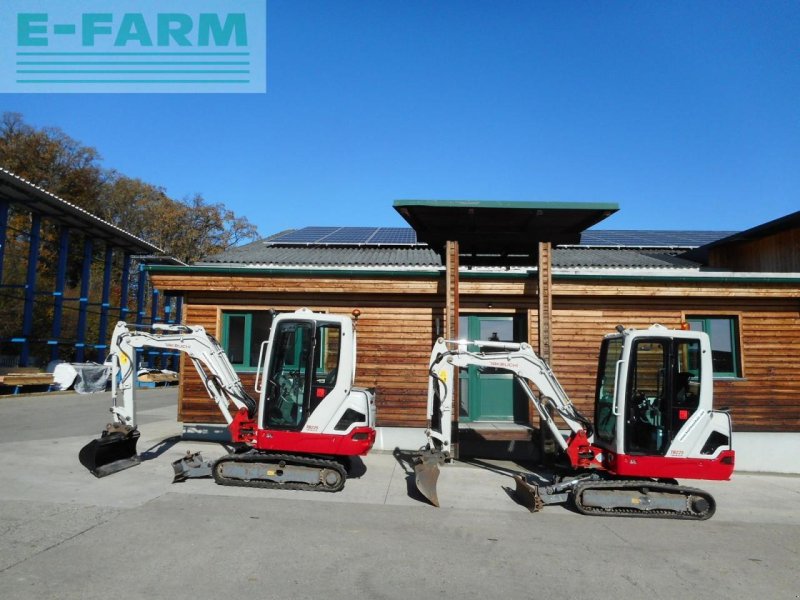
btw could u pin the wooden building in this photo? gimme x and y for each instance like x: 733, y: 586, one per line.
x: 522, y: 272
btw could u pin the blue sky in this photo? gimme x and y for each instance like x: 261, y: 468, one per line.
x: 686, y: 114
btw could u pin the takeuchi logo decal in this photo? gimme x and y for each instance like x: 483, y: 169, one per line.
x: 77, y: 49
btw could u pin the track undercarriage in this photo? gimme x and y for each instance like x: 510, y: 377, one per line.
x: 594, y: 496
x: 259, y: 469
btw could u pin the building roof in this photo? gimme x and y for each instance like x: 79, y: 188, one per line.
x: 272, y: 254
x: 406, y: 236
x: 18, y: 190
x: 790, y: 221
x: 481, y: 226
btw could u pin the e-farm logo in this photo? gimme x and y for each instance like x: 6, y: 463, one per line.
x: 134, y: 46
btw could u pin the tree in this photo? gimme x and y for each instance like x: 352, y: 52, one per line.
x: 188, y: 229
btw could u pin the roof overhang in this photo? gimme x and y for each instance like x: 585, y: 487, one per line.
x: 17, y: 190
x: 491, y: 227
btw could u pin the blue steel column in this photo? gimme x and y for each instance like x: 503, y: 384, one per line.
x: 80, y: 344
x: 30, y: 288
x: 154, y: 318
x: 3, y: 230
x: 58, y: 293
x: 143, y: 357
x: 124, y: 288
x: 102, y: 344
x: 140, y: 295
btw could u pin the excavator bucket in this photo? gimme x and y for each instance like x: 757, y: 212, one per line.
x: 111, y: 452
x: 426, y: 474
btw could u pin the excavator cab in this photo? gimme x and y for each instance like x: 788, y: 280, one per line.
x: 653, y: 406
x: 303, y: 370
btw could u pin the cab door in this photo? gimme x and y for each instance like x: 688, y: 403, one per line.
x: 608, y: 395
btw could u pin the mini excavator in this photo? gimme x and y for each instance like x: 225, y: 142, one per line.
x: 653, y: 424
x: 308, y: 420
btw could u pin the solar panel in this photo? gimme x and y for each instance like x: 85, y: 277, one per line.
x: 321, y: 236
x: 306, y: 235
x: 651, y: 238
x: 394, y: 235
x: 349, y: 235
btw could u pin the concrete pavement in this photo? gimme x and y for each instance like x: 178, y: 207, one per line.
x: 66, y: 534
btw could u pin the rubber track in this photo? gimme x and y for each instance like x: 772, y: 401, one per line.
x: 651, y: 486
x: 293, y: 459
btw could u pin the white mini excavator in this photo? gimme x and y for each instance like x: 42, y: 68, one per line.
x: 308, y: 420
x: 653, y: 424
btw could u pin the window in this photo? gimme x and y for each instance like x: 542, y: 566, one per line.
x: 604, y: 419
x: 724, y: 334
x: 242, y: 334
x: 303, y: 369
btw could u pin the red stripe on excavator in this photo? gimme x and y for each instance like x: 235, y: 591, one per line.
x: 356, y: 443
x: 719, y: 468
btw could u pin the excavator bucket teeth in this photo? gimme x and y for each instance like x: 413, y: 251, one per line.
x: 426, y: 474
x: 109, y: 453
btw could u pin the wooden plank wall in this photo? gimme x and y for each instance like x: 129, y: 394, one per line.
x: 777, y: 253
x: 394, y: 344
x: 397, y: 328
x: 766, y: 398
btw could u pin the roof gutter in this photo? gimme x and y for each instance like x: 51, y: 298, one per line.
x: 558, y: 274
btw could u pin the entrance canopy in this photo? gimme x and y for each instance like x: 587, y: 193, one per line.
x: 488, y: 227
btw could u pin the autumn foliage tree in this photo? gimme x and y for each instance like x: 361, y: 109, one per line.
x: 187, y: 229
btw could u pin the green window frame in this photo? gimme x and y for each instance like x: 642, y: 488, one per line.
x: 242, y: 334
x: 723, y: 330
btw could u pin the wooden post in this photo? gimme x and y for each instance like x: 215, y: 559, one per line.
x: 545, y: 302
x: 451, y: 329
x: 545, y: 319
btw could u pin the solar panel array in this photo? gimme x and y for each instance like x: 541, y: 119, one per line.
x: 321, y: 236
x: 405, y: 236
x: 651, y: 238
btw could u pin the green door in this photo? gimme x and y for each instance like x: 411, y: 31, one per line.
x: 489, y: 395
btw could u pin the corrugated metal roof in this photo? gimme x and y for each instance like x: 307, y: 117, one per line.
x: 260, y: 254
x: 617, y: 259
x: 19, y: 190
x: 415, y: 257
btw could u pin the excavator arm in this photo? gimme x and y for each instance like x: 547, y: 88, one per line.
x: 116, y: 448
x: 528, y: 368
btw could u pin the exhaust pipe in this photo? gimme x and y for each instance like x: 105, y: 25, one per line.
x: 111, y: 452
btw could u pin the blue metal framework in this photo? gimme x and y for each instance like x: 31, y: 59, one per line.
x: 58, y: 292
x: 30, y: 287
x: 83, y: 301
x: 40, y: 251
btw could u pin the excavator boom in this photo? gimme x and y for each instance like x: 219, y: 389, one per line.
x: 115, y: 449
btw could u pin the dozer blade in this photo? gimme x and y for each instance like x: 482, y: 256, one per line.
x: 528, y: 494
x: 111, y: 452
x: 426, y: 472
x: 190, y: 466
